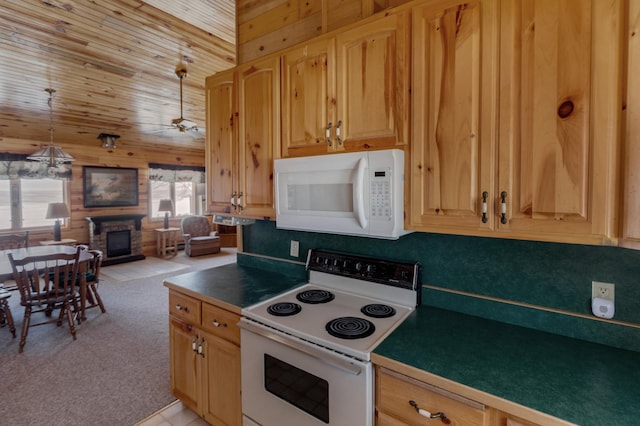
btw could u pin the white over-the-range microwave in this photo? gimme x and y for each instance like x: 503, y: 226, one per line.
x: 359, y: 193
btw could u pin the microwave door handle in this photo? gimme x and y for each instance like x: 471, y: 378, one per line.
x: 359, y: 201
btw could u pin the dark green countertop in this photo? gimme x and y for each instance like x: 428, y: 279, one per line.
x: 574, y: 380
x: 233, y: 286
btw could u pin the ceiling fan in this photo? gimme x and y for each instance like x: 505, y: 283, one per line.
x: 182, y: 123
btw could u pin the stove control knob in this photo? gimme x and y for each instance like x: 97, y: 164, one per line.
x: 358, y: 266
x: 370, y: 269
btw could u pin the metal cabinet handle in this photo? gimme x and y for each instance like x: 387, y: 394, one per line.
x: 239, y: 205
x: 233, y: 199
x: 327, y: 133
x: 338, y: 138
x: 485, y: 219
x: 503, y: 208
x: 428, y: 414
x: 217, y: 324
x: 194, y: 343
x: 182, y: 308
x: 200, y: 350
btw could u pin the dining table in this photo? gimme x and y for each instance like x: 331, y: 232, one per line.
x: 6, y: 272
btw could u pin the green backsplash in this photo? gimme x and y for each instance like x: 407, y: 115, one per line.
x: 549, y: 275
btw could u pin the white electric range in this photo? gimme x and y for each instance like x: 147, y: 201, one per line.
x: 306, y: 353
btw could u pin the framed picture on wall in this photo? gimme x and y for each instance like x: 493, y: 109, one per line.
x: 109, y: 186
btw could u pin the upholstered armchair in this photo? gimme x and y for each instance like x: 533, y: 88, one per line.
x: 198, y: 237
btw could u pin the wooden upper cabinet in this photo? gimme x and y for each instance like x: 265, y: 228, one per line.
x: 243, y: 138
x: 258, y: 85
x: 348, y: 92
x: 560, y: 103
x: 531, y: 112
x: 454, y: 93
x: 221, y: 143
x: 308, y: 98
x: 373, y: 85
x: 631, y: 205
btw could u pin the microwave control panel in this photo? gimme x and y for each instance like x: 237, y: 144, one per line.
x: 381, y: 194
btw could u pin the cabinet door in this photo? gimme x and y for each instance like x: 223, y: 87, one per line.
x: 560, y: 118
x: 221, y: 143
x: 308, y: 92
x: 258, y: 134
x: 221, y: 382
x: 184, y: 363
x: 631, y: 209
x: 454, y: 115
x: 373, y: 84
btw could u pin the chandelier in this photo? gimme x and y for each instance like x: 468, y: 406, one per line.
x: 51, y: 155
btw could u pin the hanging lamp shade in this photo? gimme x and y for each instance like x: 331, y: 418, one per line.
x: 51, y: 155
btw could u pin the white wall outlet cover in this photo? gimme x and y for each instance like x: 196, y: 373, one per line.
x: 602, y: 308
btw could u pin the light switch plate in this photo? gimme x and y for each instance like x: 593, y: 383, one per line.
x: 294, y: 251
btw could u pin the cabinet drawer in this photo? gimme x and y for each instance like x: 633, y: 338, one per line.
x: 184, y: 307
x: 394, y: 391
x: 221, y: 323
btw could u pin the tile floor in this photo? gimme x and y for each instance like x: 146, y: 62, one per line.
x: 174, y: 414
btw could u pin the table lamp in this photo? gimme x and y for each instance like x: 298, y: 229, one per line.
x: 166, y: 206
x: 57, y: 211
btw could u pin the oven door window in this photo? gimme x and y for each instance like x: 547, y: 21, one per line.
x: 304, y: 390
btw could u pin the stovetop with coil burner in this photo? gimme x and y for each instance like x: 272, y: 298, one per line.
x: 350, y: 304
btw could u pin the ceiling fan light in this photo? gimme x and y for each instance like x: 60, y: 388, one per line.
x: 108, y: 140
x: 181, y: 123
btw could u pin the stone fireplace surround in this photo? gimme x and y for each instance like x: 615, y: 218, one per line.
x: 99, y: 226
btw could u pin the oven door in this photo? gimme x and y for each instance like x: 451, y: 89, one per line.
x: 286, y: 382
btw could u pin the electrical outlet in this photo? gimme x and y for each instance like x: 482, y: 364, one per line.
x: 603, y: 290
x: 294, y: 251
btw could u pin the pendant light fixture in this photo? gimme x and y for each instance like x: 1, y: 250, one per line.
x: 51, y: 155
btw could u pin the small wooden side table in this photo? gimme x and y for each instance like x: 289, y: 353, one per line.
x: 62, y: 242
x: 167, y: 241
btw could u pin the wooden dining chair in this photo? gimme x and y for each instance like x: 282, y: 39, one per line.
x: 92, y: 278
x: 46, y: 283
x: 6, y: 319
x: 14, y: 241
x: 10, y: 242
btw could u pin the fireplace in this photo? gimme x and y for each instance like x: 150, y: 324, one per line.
x: 119, y: 237
x: 118, y: 243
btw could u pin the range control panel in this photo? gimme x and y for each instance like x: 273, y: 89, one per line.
x: 397, y: 274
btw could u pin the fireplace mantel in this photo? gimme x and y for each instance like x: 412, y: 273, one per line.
x: 98, y: 220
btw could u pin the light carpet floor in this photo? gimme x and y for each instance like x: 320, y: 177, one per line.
x: 115, y: 373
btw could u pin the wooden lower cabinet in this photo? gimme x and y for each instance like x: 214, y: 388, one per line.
x: 220, y: 381
x: 205, y: 359
x: 396, y: 392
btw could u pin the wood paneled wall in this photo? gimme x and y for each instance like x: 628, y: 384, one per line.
x: 267, y: 26
x: 120, y: 157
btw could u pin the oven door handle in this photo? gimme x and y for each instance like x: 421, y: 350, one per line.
x: 327, y: 359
